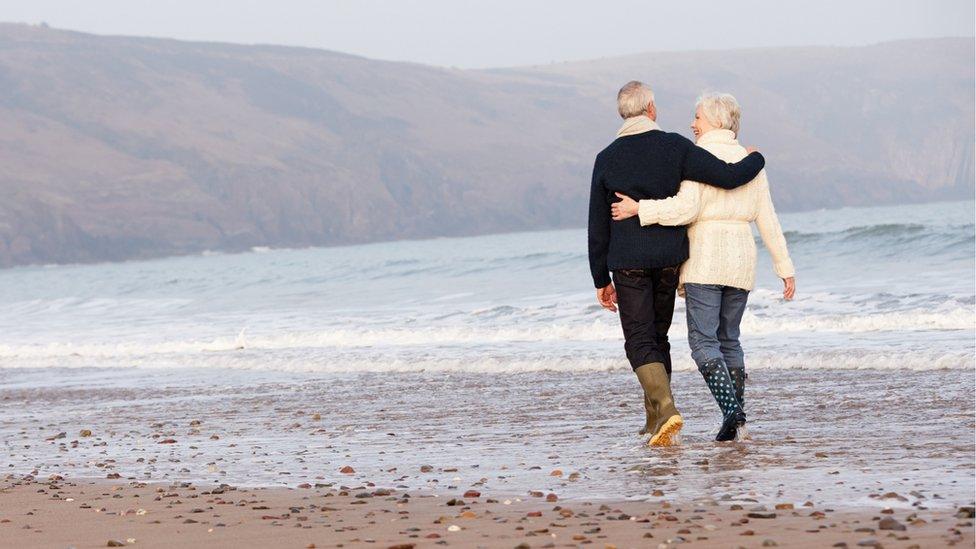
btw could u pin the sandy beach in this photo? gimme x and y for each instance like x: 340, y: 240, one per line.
x: 259, y: 461
x: 59, y: 512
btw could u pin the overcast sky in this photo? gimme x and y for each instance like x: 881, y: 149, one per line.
x: 500, y: 33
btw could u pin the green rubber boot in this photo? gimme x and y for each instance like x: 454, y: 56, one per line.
x: 660, y: 404
x: 650, y: 420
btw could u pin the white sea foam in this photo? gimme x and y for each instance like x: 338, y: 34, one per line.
x: 597, y: 330
x: 313, y: 362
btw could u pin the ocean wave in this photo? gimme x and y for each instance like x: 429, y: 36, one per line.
x: 895, y: 232
x: 597, y: 330
x: 310, y: 363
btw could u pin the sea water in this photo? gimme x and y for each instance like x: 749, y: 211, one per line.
x: 888, y: 287
x: 490, y: 355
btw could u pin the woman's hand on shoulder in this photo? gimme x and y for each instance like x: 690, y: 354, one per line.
x: 627, y: 207
x: 789, y: 288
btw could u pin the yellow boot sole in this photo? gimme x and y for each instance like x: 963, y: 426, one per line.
x: 668, y: 433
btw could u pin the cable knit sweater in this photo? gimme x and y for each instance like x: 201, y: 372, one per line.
x: 722, y: 249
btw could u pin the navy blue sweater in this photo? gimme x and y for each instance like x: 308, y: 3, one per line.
x: 650, y: 165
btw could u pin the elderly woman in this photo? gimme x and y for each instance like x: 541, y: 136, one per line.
x: 721, y: 267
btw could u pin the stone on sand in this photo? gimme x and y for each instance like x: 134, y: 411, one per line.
x: 762, y: 515
x: 889, y: 523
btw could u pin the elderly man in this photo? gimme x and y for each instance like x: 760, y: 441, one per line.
x: 644, y: 162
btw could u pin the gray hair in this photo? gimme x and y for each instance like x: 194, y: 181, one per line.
x: 721, y: 110
x: 633, y: 99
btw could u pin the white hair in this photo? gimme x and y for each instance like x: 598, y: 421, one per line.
x: 633, y: 99
x: 721, y: 110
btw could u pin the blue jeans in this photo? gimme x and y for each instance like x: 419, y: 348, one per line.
x: 714, y: 314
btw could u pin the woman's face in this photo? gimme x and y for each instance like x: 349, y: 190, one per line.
x: 700, y: 124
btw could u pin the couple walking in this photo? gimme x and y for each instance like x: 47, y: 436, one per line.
x: 670, y: 215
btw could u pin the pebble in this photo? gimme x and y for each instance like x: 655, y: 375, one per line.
x: 889, y: 523
x: 762, y: 515
x: 347, y: 470
x: 114, y: 543
x: 85, y: 433
x: 769, y: 543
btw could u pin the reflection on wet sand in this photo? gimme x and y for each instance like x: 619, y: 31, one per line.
x: 847, y: 442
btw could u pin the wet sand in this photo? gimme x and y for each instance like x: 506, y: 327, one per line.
x: 186, y: 458
x: 837, y: 438
x: 60, y: 512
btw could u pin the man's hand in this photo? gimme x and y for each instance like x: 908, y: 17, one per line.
x: 607, y: 296
x: 627, y: 207
x: 751, y: 150
x: 789, y: 288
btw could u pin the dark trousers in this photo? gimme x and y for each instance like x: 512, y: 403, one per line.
x: 645, y: 299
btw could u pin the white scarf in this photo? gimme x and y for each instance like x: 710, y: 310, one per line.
x: 637, y: 124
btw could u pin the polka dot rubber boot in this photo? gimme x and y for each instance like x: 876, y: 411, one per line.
x: 719, y: 382
x: 738, y: 376
x: 739, y: 380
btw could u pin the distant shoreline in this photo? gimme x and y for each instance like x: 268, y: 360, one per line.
x: 259, y: 249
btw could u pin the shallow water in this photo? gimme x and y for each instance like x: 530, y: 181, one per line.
x: 834, y: 437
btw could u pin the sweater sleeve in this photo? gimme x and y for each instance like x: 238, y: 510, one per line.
x: 598, y: 229
x: 772, y: 233
x: 703, y: 166
x: 680, y: 209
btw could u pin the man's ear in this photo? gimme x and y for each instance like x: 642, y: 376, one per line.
x: 652, y: 111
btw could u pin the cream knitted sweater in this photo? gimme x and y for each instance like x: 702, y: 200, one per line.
x: 722, y: 247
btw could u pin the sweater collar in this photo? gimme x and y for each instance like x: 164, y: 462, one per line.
x: 637, y: 124
x: 717, y: 136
